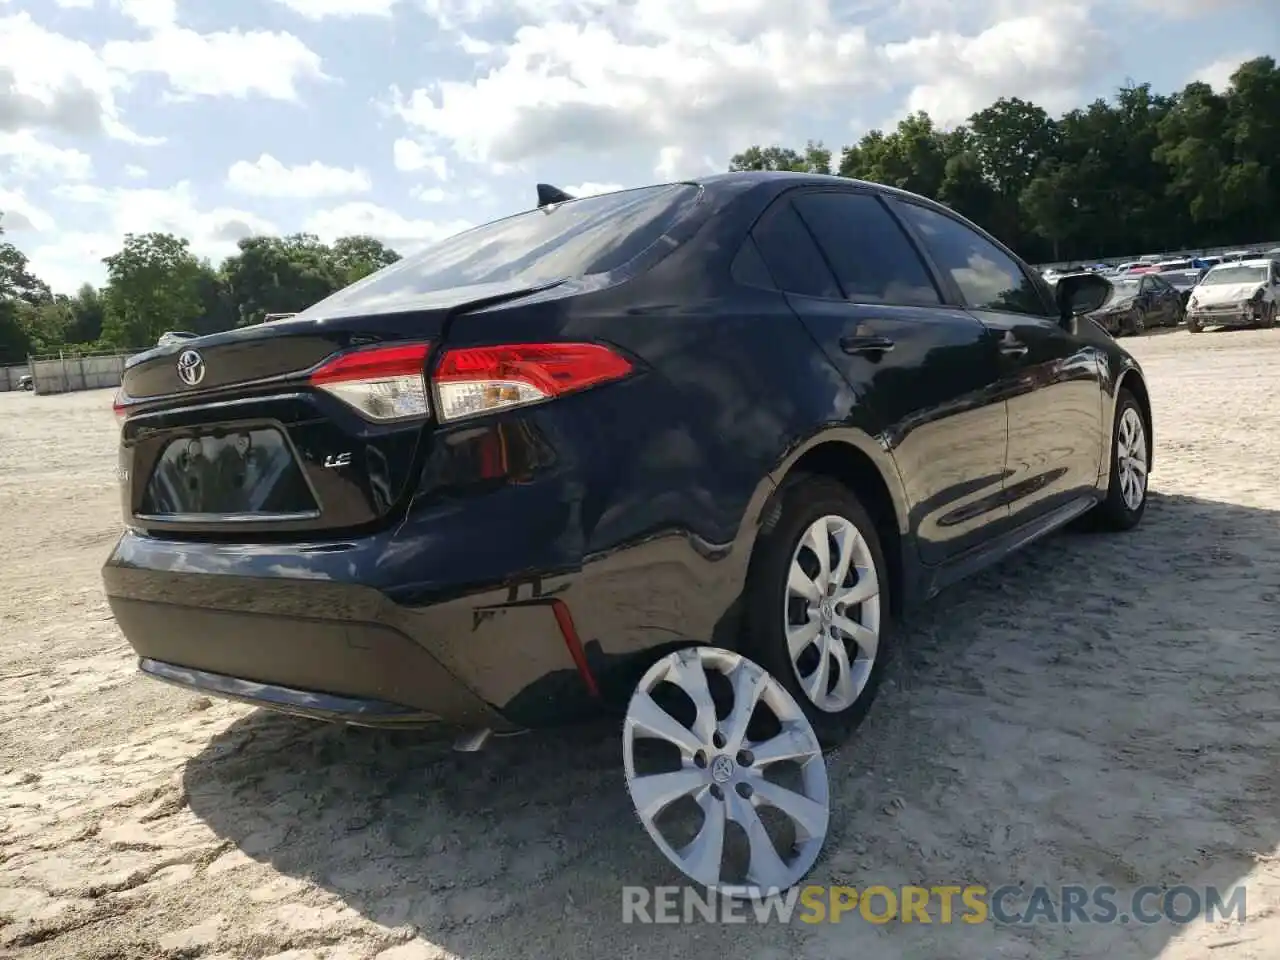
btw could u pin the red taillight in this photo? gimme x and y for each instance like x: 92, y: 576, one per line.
x: 383, y: 383
x: 119, y: 406
x: 476, y: 380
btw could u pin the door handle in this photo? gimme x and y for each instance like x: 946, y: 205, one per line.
x: 860, y: 346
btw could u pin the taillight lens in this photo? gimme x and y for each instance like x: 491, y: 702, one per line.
x: 477, y: 380
x: 118, y: 406
x: 382, y: 383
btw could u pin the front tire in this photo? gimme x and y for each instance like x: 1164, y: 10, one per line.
x: 1194, y: 326
x: 818, y: 614
x: 1126, y: 501
x: 1268, y: 318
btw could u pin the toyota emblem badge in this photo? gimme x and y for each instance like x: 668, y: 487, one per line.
x: 190, y: 367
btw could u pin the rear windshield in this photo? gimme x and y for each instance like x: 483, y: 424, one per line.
x: 563, y: 241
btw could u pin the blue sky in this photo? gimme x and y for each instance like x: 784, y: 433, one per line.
x: 412, y: 119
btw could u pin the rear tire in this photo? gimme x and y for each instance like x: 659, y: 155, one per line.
x: 1126, y: 501
x: 835, y: 673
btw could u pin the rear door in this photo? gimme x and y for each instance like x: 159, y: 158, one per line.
x: 926, y: 369
x: 1050, y: 376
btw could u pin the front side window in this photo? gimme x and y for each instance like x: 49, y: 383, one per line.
x: 988, y: 277
x: 563, y: 241
x: 871, y: 256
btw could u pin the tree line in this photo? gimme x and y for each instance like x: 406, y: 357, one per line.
x: 1147, y: 172
x: 156, y: 283
x: 1144, y: 172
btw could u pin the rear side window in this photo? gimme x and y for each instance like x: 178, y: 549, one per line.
x: 872, y: 258
x: 563, y: 241
x: 988, y: 277
x: 792, y: 257
x: 749, y: 267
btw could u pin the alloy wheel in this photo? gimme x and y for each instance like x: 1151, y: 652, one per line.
x: 1131, y: 457
x: 724, y: 766
x: 832, y: 613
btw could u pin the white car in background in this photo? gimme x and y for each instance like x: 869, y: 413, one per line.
x: 1241, y: 294
x: 171, y: 337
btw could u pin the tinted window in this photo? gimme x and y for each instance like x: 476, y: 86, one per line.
x: 985, y: 274
x: 1148, y: 284
x: 565, y: 240
x: 1160, y: 284
x: 791, y: 255
x: 872, y: 258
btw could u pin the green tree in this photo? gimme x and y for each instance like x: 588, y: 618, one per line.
x: 280, y: 275
x: 357, y: 257
x: 153, y: 285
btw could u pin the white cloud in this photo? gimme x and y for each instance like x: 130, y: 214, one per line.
x: 18, y: 214
x: 590, y: 189
x: 1042, y: 57
x: 686, y: 72
x: 339, y: 9
x: 369, y: 219
x: 410, y: 156
x: 51, y: 82
x: 103, y: 215
x: 428, y: 194
x: 1185, y: 9
x: 1218, y: 74
x: 23, y: 154
x: 76, y: 4
x: 135, y: 172
x: 149, y: 14
x: 228, y: 63
x: 268, y: 177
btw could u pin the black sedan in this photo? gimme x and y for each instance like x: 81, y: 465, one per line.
x: 1139, y: 302
x: 488, y: 486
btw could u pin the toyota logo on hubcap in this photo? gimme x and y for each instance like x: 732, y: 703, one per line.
x: 190, y: 367
x: 721, y: 769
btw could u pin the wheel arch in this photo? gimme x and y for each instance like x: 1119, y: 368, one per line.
x: 855, y: 460
x: 1131, y: 379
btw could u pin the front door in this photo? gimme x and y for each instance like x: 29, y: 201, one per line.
x: 1050, y: 377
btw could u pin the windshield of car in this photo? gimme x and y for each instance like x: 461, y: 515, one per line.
x: 1235, y: 274
x: 562, y: 241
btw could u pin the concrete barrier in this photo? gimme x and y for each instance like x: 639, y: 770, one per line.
x: 68, y: 374
x: 11, y: 376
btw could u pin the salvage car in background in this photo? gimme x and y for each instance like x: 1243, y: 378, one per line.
x: 1138, y: 302
x: 1182, y: 275
x: 1241, y: 294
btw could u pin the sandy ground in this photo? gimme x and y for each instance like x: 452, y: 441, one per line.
x: 1099, y: 710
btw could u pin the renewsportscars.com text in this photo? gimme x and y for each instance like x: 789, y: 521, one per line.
x: 1008, y: 904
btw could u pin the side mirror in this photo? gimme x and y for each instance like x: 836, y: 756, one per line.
x: 1081, y: 293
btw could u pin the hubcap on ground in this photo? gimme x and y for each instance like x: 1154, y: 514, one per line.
x: 724, y: 771
x: 1131, y: 456
x: 832, y: 613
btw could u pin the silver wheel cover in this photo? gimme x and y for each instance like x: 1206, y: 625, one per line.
x: 831, y: 614
x: 723, y: 771
x: 1131, y: 458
